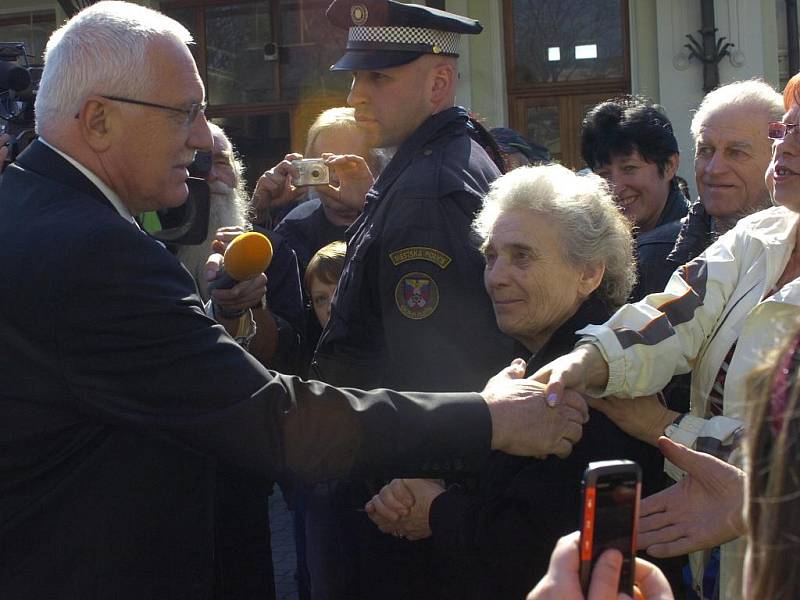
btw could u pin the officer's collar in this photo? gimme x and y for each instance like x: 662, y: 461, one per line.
x: 415, y: 143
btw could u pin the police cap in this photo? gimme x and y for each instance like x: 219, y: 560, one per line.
x: 385, y: 33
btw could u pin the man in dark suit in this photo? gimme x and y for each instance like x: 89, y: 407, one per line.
x: 120, y: 396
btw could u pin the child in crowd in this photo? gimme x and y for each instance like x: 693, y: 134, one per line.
x: 321, y: 277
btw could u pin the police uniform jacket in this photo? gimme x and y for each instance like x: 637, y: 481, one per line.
x: 410, y: 309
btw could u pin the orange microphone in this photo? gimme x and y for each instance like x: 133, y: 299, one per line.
x: 248, y: 255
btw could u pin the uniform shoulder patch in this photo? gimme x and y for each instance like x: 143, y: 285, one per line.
x: 437, y: 257
x: 416, y: 295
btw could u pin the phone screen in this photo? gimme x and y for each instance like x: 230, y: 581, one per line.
x: 611, y: 497
x: 616, y: 503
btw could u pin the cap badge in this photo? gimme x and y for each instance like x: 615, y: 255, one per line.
x: 436, y: 49
x: 359, y: 14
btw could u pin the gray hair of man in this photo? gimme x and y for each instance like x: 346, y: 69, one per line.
x: 753, y: 94
x: 591, y: 227
x: 101, y: 50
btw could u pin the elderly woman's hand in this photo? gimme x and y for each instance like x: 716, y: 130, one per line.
x: 644, y: 418
x: 402, y: 507
x: 562, y: 581
x: 579, y: 370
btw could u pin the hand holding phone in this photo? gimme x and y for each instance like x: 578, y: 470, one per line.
x: 611, y: 492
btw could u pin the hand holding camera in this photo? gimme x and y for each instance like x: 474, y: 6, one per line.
x: 354, y: 179
x: 342, y: 180
x: 274, y: 188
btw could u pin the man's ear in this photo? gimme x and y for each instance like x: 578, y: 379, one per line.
x: 444, y: 79
x: 590, y: 279
x: 96, y: 124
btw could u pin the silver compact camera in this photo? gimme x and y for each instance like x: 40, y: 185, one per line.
x: 312, y: 171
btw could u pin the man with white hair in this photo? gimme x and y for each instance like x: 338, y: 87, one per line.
x: 228, y: 206
x: 732, y: 151
x: 279, y: 320
x: 121, y: 399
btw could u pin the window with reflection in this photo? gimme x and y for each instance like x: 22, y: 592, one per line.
x: 543, y: 124
x: 259, y: 139
x: 236, y: 67
x: 310, y: 45
x: 567, y: 40
x: 263, y: 51
x: 265, y: 64
x: 562, y: 56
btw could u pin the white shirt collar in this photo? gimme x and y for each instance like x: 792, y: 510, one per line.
x: 115, y: 200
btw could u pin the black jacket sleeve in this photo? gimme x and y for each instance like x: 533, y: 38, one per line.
x: 136, y: 350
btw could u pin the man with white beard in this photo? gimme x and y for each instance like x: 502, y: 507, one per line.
x: 243, y: 517
x: 280, y: 321
x: 227, y: 206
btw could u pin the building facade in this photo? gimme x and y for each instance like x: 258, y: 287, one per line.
x: 537, y: 67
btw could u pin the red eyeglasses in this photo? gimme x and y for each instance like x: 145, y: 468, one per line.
x: 778, y: 130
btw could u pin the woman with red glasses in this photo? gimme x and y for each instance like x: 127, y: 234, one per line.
x: 716, y: 318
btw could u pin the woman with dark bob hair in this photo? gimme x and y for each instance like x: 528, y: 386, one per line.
x: 630, y: 143
x: 559, y: 255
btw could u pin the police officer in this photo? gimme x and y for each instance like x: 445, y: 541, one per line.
x: 410, y: 310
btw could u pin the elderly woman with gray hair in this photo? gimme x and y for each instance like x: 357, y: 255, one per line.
x: 559, y: 256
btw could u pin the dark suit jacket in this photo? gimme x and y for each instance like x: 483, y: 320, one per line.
x: 119, y: 398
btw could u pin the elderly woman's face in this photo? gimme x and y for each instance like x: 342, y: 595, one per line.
x: 784, y: 170
x: 533, y: 289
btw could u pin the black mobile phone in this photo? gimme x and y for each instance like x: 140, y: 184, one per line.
x: 611, y: 492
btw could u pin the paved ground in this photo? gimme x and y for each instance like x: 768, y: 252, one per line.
x: 283, y: 555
